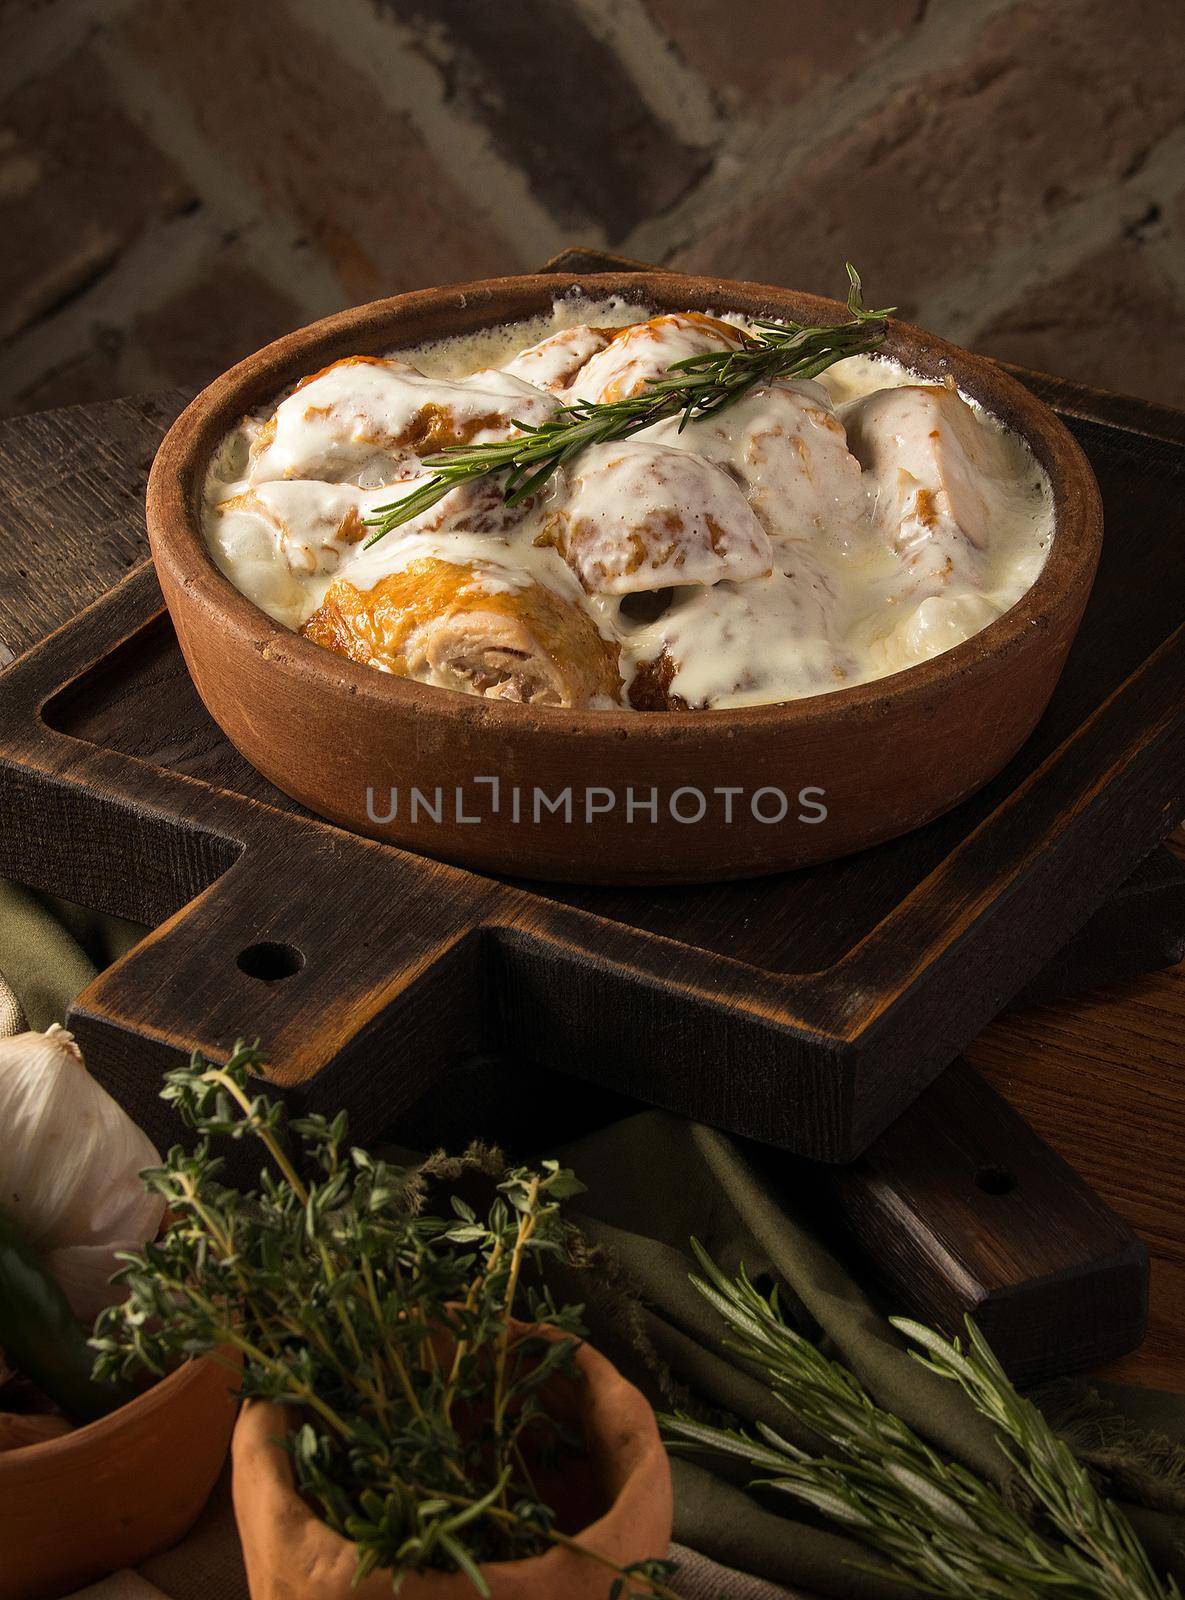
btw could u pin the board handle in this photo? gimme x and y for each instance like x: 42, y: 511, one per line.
x: 960, y: 1207
x: 330, y: 963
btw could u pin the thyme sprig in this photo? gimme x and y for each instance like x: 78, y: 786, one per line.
x: 937, y: 1525
x: 696, y: 387
x: 417, y: 1409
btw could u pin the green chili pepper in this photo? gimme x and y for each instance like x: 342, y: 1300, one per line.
x: 41, y: 1337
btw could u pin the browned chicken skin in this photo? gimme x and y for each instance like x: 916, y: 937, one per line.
x: 389, y: 408
x: 448, y: 625
x: 645, y: 350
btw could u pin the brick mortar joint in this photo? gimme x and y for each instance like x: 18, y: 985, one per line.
x: 757, y: 147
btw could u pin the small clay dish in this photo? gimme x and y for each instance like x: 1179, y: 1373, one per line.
x: 109, y: 1495
x: 615, y: 1501
x: 605, y: 796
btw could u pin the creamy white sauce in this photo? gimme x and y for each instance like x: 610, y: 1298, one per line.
x: 788, y: 567
x: 693, y: 517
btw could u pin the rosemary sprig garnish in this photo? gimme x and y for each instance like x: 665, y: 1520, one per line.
x: 937, y: 1525
x: 698, y: 386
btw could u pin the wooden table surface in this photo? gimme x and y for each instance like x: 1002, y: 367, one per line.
x: 1101, y: 1076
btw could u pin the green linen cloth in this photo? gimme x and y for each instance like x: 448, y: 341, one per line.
x: 50, y: 949
x: 653, y: 1182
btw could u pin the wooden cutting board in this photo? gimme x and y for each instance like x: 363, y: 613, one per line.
x: 804, y: 1012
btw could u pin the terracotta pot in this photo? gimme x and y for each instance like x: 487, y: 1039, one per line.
x: 888, y: 755
x: 117, y: 1491
x: 623, y: 1486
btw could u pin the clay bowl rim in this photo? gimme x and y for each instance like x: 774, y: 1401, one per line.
x: 179, y: 467
x: 164, y: 1392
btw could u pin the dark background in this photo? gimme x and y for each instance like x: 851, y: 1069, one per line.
x: 181, y: 180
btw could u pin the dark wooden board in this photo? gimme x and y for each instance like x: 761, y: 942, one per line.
x: 118, y: 790
x: 805, y: 1011
x: 958, y: 1207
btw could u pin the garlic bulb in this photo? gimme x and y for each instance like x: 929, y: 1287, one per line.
x: 70, y: 1159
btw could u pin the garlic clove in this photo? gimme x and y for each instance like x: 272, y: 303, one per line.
x: 84, y: 1273
x: 70, y: 1159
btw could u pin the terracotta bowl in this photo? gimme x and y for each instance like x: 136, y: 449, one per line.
x: 617, y: 1501
x: 114, y: 1493
x: 353, y: 744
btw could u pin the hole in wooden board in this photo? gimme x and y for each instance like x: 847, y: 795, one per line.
x: 270, y: 961
x: 996, y: 1180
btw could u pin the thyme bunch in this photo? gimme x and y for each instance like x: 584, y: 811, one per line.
x: 418, y: 1410
x: 696, y: 387
x: 937, y: 1525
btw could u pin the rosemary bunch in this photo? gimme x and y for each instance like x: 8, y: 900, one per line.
x: 1099, y: 1542
x: 938, y: 1526
x: 698, y: 386
x: 417, y: 1408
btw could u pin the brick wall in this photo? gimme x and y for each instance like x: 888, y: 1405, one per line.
x: 181, y: 180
